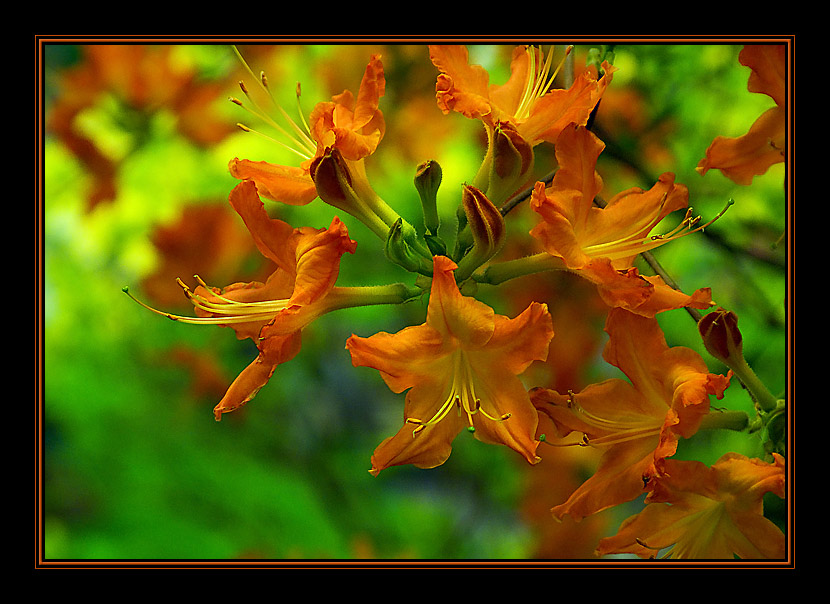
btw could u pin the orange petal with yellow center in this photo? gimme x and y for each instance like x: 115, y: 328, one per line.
x: 460, y: 369
x: 707, y: 513
x: 560, y: 108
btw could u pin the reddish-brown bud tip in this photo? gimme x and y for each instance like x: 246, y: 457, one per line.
x: 721, y: 336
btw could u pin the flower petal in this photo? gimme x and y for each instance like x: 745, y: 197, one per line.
x: 403, y: 359
x: 559, y: 108
x: 317, y: 256
x: 422, y: 450
x: 460, y: 86
x: 285, y: 184
x: 455, y: 316
x: 251, y: 380
x: 742, y: 158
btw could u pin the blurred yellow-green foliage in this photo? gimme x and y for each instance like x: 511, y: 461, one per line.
x: 136, y: 149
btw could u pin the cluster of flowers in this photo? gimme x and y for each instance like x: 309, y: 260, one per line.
x: 461, y: 368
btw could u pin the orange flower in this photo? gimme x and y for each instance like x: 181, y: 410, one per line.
x: 353, y: 126
x: 525, y: 101
x: 707, y: 513
x: 639, y: 422
x: 517, y: 115
x: 742, y: 158
x: 461, y: 370
x: 601, y: 243
x: 274, y: 313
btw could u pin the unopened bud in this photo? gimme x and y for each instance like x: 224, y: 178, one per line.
x: 427, y: 181
x: 331, y: 177
x: 398, y: 248
x: 721, y: 337
x: 486, y: 226
x: 512, y: 159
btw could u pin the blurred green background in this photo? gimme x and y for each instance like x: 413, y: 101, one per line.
x: 137, y: 143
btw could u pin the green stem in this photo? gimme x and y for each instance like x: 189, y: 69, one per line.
x: 511, y: 269
x: 725, y: 420
x: 370, y: 295
x: 756, y: 388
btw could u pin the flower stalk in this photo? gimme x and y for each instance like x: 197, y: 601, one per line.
x: 723, y: 340
x: 498, y: 273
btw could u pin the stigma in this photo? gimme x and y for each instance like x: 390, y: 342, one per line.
x: 223, y: 310
x: 460, y: 396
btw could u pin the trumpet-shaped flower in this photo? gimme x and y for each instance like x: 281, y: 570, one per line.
x: 273, y: 314
x: 600, y: 243
x: 742, y: 158
x: 517, y: 115
x: 526, y: 101
x: 461, y: 370
x: 698, y: 512
x: 352, y: 125
x: 638, y: 422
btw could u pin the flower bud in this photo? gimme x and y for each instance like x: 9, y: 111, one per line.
x: 721, y: 337
x: 512, y: 159
x: 399, y: 249
x: 332, y: 179
x: 486, y: 226
x: 337, y: 186
x: 427, y: 181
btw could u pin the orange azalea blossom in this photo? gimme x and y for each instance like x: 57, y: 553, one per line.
x: 526, y: 102
x: 707, y: 513
x: 519, y: 114
x: 639, y: 422
x: 742, y: 158
x: 461, y: 369
x: 601, y: 243
x: 273, y: 313
x: 353, y: 126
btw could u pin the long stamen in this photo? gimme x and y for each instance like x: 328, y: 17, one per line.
x: 539, y: 80
x: 305, y: 147
x: 233, y: 311
x: 303, y: 134
x: 303, y: 154
x: 298, y: 93
x: 621, y: 430
x: 633, y: 245
x: 461, y: 395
